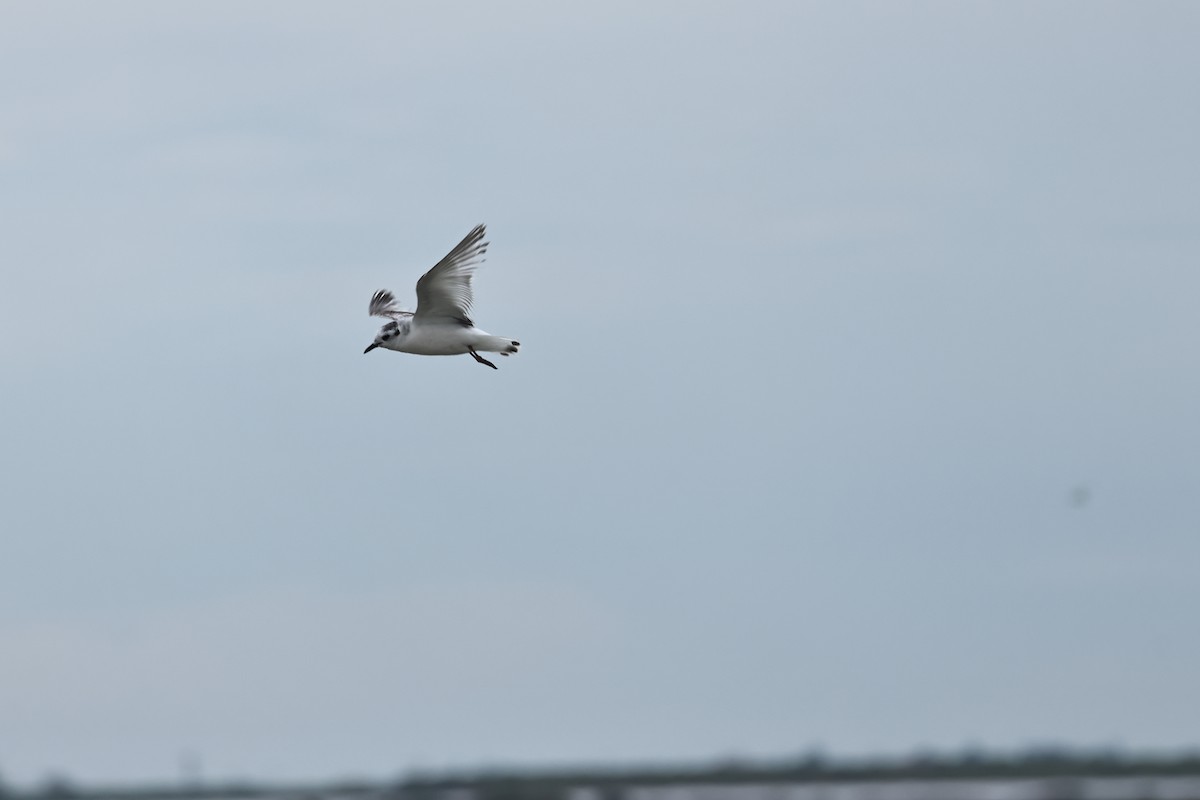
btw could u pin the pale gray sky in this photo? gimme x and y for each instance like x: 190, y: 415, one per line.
x: 827, y: 310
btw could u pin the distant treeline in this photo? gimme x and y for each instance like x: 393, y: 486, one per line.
x: 533, y: 782
x: 813, y: 768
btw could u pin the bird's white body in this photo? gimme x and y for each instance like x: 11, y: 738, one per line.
x: 441, y: 339
x: 441, y: 325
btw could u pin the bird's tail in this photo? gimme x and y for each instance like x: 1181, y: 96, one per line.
x: 497, y: 344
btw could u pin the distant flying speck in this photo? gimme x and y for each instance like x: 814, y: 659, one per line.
x: 1080, y: 496
x: 441, y: 325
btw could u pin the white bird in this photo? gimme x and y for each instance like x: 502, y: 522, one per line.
x: 441, y: 325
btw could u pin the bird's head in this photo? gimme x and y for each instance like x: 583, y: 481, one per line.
x: 386, y: 334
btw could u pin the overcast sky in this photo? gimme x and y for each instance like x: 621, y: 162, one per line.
x: 856, y: 406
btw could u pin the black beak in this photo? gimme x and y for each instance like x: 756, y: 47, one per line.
x: 372, y: 346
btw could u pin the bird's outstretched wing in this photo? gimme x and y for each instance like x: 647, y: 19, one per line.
x: 444, y: 293
x: 383, y: 304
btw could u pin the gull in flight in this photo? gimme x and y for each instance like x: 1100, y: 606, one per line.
x: 441, y: 325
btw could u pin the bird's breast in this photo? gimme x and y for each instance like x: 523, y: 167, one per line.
x: 434, y: 340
